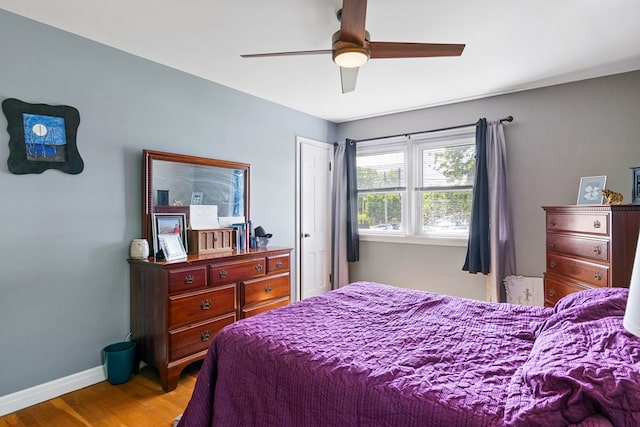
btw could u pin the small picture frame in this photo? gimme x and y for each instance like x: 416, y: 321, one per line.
x: 196, y: 198
x: 172, y: 247
x: 168, y: 223
x: 635, y: 189
x: 163, y: 198
x: 590, y: 192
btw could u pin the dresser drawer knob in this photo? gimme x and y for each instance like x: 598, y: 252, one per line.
x: 278, y: 264
x: 188, y: 279
x: 553, y: 222
x: 596, y: 224
x: 597, y: 250
x: 205, y: 336
x: 259, y: 267
x: 552, y: 293
x: 552, y: 264
x: 206, y: 304
x: 597, y: 275
x: 222, y: 274
x: 268, y: 289
x: 552, y: 245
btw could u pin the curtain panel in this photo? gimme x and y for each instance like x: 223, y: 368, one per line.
x: 491, y: 249
x: 478, y: 258
x: 345, y: 239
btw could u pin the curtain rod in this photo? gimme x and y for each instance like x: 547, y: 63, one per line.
x: 506, y: 119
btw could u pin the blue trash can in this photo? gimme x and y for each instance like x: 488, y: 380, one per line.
x: 118, y: 361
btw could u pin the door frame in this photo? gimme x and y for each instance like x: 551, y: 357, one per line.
x: 300, y: 140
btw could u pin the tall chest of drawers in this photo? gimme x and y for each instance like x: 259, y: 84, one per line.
x: 177, y: 308
x: 587, y: 247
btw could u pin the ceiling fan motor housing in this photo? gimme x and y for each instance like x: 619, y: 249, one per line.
x: 350, y: 54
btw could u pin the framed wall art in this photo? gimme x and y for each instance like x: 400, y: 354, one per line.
x: 42, y: 137
x: 590, y: 192
x: 168, y: 223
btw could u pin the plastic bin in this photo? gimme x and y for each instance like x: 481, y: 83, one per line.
x: 118, y: 361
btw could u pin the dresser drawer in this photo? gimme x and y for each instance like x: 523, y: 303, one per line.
x: 592, y: 223
x: 554, y: 290
x: 257, y: 309
x: 266, y: 288
x: 186, y: 341
x: 579, y: 246
x: 185, y: 279
x: 198, y: 306
x: 278, y: 263
x: 582, y: 271
x: 227, y: 273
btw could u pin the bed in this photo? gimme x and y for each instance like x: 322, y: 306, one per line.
x: 375, y: 355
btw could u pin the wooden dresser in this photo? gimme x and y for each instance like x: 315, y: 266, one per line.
x: 177, y: 308
x: 589, y: 246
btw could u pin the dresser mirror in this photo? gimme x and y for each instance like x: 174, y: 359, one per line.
x: 172, y: 182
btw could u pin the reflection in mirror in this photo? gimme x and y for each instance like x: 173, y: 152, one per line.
x: 180, y: 184
x: 172, y: 182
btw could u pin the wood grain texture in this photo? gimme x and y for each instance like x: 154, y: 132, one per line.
x: 141, y: 402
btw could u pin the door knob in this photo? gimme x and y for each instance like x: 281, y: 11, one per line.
x: 306, y: 235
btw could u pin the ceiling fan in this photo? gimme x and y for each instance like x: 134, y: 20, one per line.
x: 351, y: 46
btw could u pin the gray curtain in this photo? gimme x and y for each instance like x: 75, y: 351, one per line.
x: 345, y: 239
x: 503, y: 260
x: 491, y: 249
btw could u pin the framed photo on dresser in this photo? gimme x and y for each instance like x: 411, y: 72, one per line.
x: 590, y: 192
x: 168, y: 223
x: 172, y: 248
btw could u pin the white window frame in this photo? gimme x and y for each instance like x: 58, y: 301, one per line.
x: 389, y: 145
x: 411, y: 200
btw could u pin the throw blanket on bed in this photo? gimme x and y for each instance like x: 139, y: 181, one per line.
x: 375, y: 355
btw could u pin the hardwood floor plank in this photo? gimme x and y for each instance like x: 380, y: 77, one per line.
x: 141, y: 402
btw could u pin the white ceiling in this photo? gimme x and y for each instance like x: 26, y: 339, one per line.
x: 511, y: 45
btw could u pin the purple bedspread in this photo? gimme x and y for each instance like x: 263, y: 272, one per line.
x: 375, y: 355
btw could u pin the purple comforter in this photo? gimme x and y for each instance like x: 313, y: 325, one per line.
x: 376, y: 355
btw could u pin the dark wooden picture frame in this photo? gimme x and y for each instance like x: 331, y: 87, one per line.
x: 42, y: 137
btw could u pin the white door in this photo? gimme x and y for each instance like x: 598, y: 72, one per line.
x: 314, y: 219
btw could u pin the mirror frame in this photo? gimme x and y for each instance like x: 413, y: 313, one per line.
x: 148, y: 156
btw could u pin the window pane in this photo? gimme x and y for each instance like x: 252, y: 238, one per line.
x: 446, y: 212
x: 380, y: 211
x: 448, y: 166
x: 380, y: 171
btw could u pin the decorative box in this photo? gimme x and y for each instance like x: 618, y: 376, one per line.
x: 211, y: 241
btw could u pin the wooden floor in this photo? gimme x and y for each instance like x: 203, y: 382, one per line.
x: 141, y: 402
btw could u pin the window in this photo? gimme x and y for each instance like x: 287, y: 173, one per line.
x: 417, y: 187
x: 381, y: 176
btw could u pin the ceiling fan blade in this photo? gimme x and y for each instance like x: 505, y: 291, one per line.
x: 352, y: 21
x: 348, y: 77
x: 298, y: 52
x: 413, y: 50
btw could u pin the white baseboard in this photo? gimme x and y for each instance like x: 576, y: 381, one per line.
x: 21, y: 399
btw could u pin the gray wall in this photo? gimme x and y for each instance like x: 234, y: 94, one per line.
x: 64, y: 280
x: 560, y: 134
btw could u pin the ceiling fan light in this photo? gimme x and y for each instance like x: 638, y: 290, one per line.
x: 351, y: 58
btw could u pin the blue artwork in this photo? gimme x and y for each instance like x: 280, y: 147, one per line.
x: 44, y: 137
